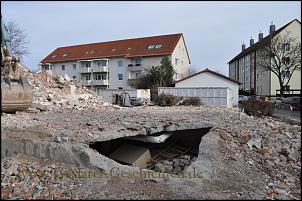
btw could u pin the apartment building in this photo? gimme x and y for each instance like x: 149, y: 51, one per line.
x: 118, y: 64
x: 246, y: 69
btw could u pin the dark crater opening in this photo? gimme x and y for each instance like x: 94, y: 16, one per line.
x: 169, y: 152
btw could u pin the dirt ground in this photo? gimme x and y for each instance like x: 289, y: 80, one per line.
x: 241, y: 157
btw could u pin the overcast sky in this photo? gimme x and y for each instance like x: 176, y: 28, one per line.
x: 213, y: 31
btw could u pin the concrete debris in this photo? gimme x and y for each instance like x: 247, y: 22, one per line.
x: 226, y: 136
x: 175, y: 165
x: 54, y: 93
x: 254, y: 143
x: 242, y: 168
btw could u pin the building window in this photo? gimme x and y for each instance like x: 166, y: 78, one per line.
x: 176, y: 61
x: 87, y: 77
x: 74, y: 77
x: 102, y: 63
x: 74, y: 66
x: 54, y: 56
x: 63, y: 67
x: 98, y: 77
x: 182, y: 63
x: 286, y: 60
x: 138, y: 61
x: 246, y: 68
x: 87, y: 65
x: 246, y: 78
x: 65, y: 55
x: 120, y: 76
x: 260, y: 88
x: 257, y: 90
x: 138, y: 75
x: 285, y: 74
x: 158, y: 46
x: 151, y: 47
x: 286, y: 46
x: 120, y: 63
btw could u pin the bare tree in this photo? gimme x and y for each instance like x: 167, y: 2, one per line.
x: 18, y: 43
x: 282, y: 56
x: 191, y: 70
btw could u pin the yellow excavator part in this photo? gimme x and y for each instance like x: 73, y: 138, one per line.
x: 15, y: 95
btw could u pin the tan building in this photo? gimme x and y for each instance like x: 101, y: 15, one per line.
x: 245, y: 67
x: 117, y: 64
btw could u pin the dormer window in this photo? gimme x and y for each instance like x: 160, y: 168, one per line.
x: 113, y: 49
x: 158, y: 46
x: 129, y: 48
x: 65, y: 55
x: 91, y: 52
x: 54, y: 56
x: 151, y: 47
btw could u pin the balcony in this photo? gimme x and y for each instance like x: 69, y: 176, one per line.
x: 134, y: 67
x: 96, y: 69
x: 132, y: 82
x: 95, y: 82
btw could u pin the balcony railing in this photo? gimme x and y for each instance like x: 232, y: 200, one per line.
x: 95, y: 82
x: 132, y: 82
x: 133, y: 67
x: 96, y: 69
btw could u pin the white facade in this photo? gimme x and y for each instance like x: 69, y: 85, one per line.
x: 207, y: 79
x: 254, y: 77
x: 119, y: 72
x: 215, y: 96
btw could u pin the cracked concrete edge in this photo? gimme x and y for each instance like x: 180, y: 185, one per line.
x: 82, y: 156
x: 65, y: 152
x: 76, y: 154
x: 112, y: 134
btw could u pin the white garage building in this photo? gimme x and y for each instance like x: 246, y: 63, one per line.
x: 213, y: 88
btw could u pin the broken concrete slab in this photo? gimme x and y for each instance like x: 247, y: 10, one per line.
x: 133, y: 155
x: 254, y: 143
x: 226, y: 136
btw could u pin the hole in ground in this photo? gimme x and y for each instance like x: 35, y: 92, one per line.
x: 169, y: 152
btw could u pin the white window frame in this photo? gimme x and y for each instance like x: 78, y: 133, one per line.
x: 120, y: 63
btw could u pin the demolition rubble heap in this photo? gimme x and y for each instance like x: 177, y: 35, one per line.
x: 240, y: 157
x: 56, y: 92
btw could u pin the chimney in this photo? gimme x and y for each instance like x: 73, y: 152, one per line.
x: 272, y: 29
x: 260, y: 36
x: 251, y: 41
x: 243, y: 46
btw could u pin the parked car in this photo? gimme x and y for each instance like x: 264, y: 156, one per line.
x: 243, y: 98
x: 294, y: 102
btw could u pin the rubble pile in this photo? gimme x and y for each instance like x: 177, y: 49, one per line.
x: 241, y: 157
x: 33, y: 179
x: 57, y: 92
x: 274, y: 149
x: 174, y: 166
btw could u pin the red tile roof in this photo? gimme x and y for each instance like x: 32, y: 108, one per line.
x: 118, y: 48
x: 208, y: 71
x: 263, y: 42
